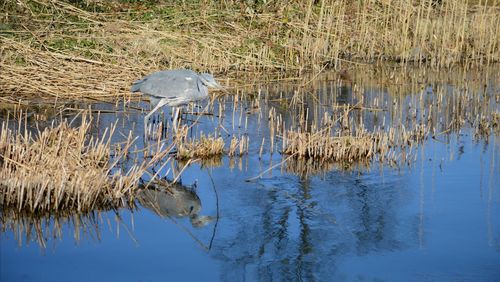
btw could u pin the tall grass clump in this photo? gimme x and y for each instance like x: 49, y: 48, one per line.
x: 62, y: 167
x: 203, y: 147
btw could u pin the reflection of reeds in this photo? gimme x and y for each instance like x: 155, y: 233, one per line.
x: 305, y: 167
x: 484, y: 125
x: 215, y: 161
x: 62, y: 168
x: 45, y: 226
x: 496, y: 122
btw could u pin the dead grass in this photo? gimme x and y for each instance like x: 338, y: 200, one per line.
x: 63, y: 168
x: 321, y: 145
x: 383, y: 116
x: 94, y: 49
x: 52, y: 76
x: 203, y: 147
x: 238, y: 146
x: 328, y: 145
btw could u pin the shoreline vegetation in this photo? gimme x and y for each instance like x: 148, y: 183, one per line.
x: 93, y: 49
x: 63, y: 168
x: 57, y: 52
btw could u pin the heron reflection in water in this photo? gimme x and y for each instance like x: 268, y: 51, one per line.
x: 168, y: 199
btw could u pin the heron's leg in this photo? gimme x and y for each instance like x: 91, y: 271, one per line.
x: 176, y: 117
x: 146, y: 118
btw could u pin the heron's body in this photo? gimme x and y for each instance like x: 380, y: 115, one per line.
x: 174, y: 88
x: 177, y: 87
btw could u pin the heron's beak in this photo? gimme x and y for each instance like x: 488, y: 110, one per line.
x: 220, y: 87
x: 200, y: 221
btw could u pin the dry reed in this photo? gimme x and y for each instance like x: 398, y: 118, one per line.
x: 203, y: 147
x: 50, y: 76
x: 322, y: 145
x: 387, y: 118
x: 62, y: 168
x: 238, y: 146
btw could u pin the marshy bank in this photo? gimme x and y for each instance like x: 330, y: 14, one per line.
x: 93, y: 49
x: 357, y: 140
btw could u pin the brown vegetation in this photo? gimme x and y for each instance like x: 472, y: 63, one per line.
x: 384, y: 119
x: 203, y: 147
x: 94, y: 49
x: 62, y: 167
x: 238, y: 146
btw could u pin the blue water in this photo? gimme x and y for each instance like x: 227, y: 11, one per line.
x: 437, y: 219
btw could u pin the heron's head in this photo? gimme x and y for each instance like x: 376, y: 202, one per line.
x: 209, y: 80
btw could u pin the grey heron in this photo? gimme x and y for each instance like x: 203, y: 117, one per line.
x: 174, y: 88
